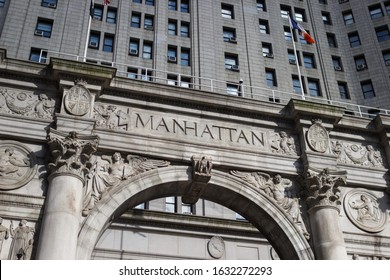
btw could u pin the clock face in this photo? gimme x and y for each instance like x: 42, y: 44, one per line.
x: 216, y: 247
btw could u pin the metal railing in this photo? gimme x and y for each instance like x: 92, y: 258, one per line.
x: 213, y: 85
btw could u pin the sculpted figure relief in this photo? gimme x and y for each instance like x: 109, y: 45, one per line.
x: 10, y: 163
x: 108, y: 116
x: 109, y: 174
x: 284, y: 144
x: 22, y: 236
x: 367, y: 209
x: 4, y: 233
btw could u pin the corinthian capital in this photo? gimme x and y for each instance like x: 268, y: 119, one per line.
x: 71, y: 152
x: 322, y: 187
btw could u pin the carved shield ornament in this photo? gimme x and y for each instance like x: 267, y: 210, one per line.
x: 18, y: 165
x: 317, y: 137
x: 363, y: 210
x: 77, y: 100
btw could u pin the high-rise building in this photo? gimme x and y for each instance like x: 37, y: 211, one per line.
x: 194, y: 129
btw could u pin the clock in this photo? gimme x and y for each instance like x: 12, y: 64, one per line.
x: 216, y: 247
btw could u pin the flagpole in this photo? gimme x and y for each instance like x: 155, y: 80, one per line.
x: 296, y: 59
x: 92, y: 5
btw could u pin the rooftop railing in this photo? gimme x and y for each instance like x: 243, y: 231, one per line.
x: 213, y: 85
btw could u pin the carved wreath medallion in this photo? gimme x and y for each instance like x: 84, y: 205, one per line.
x: 216, y: 247
x: 77, y: 100
x: 363, y: 210
x: 18, y: 165
x: 317, y: 137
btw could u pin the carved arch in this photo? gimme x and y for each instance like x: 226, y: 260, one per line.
x: 223, y: 188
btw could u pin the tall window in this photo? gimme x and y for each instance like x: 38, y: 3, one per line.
x: 147, y: 51
x: 337, y: 63
x: 185, y: 57
x: 375, y: 11
x: 44, y: 3
x: 232, y: 89
x: 185, y: 6
x: 314, y: 87
x: 231, y: 62
x: 300, y: 14
x: 149, y: 22
x: 146, y: 75
x: 172, y: 54
x: 267, y: 49
x: 111, y: 15
x: 170, y: 204
x: 184, y: 29
x: 360, y: 62
x: 387, y: 7
x: 343, y: 90
x: 108, y: 43
x: 134, y: 47
x: 354, y: 40
x: 331, y: 40
x: 367, y: 89
x: 172, y: 5
x: 296, y: 85
x: 94, y: 39
x: 326, y: 18
x: 261, y: 6
x: 227, y: 11
x: 287, y: 34
x: 285, y: 11
x: 132, y: 73
x: 270, y: 77
x: 229, y: 34
x: 135, y: 20
x: 308, y: 60
x: 172, y: 80
x: 44, y: 27
x: 291, y: 57
x: 98, y: 12
x: 172, y: 27
x: 348, y: 17
x: 382, y: 33
x: 263, y: 26
x: 386, y: 57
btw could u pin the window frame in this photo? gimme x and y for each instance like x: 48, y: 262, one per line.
x: 370, y: 93
x: 44, y: 27
x: 135, y: 20
x: 44, y: 3
x: 386, y: 35
x: 107, y: 45
x: 263, y: 26
x: 172, y: 23
x: 147, y: 50
x: 184, y: 29
x: 354, y: 39
x: 227, y: 11
x: 348, y: 17
x: 185, y: 57
x: 261, y: 5
x: 270, y: 77
x: 343, y: 90
x: 316, y: 90
x: 378, y: 13
x: 111, y: 15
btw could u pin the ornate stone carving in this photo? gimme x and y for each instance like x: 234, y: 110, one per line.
x: 78, y: 99
x: 4, y: 233
x: 283, y: 144
x: 71, y: 152
x: 201, y: 166
x: 109, y: 116
x: 317, y: 137
x: 216, y: 247
x: 277, y: 188
x: 362, y: 209
x: 366, y: 156
x: 18, y: 165
x: 26, y: 104
x: 322, y: 187
x: 22, y: 241
x: 110, y: 171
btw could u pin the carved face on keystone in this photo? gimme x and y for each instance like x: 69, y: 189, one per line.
x: 116, y: 157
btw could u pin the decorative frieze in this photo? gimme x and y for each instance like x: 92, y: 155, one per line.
x: 26, y: 104
x: 71, y: 152
x: 282, y: 143
x: 109, y: 171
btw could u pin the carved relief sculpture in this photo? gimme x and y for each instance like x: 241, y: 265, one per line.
x: 283, y: 144
x: 367, y: 156
x: 202, y: 166
x: 17, y: 165
x: 276, y: 188
x: 21, y: 246
x: 105, y: 176
x: 109, y: 116
x: 317, y: 137
x: 26, y: 104
x: 322, y: 187
x: 71, y: 152
x: 78, y: 99
x: 4, y: 233
x: 362, y: 209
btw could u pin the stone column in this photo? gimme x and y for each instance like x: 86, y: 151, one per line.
x: 323, y: 198
x: 61, y: 220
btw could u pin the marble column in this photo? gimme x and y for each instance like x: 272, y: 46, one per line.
x: 323, y: 200
x: 61, y: 220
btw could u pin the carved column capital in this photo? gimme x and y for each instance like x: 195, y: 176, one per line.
x: 71, y: 152
x: 322, y: 187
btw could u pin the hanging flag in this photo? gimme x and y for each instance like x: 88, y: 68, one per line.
x: 303, y: 32
x: 106, y: 2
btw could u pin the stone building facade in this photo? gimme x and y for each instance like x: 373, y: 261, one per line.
x: 81, y: 148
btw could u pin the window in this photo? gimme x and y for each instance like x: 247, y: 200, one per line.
x: 98, y: 12
x: 285, y: 11
x: 348, y: 17
x: 108, y: 43
x: 232, y: 89
x: 287, y: 34
x: 185, y: 29
x: 147, y: 52
x: 146, y: 75
x: 185, y: 57
x: 314, y: 87
x: 326, y: 18
x: 375, y: 11
x: 172, y: 5
x: 367, y: 89
x: 94, y: 39
x: 231, y: 62
x: 386, y: 57
x: 382, y: 33
x: 354, y: 40
x: 172, y: 27
x: 184, y: 6
x: 267, y: 50
x: 135, y: 20
x: 229, y: 35
x: 141, y: 206
x: 185, y: 82
x: 38, y: 55
x: 227, y: 11
x: 44, y: 27
x: 343, y: 90
x: 132, y: 73
x: 291, y: 57
x: 172, y: 54
x: 134, y: 47
x: 331, y: 40
x: 263, y: 26
x: 387, y: 7
x: 111, y: 15
x: 149, y: 2
x: 44, y: 3
x: 186, y: 208
x: 300, y: 15
x: 360, y: 62
x: 137, y: 1
x: 270, y: 77
x: 260, y: 5
x: 296, y: 85
x: 302, y: 39
x: 337, y: 65
x: 308, y: 60
x: 170, y: 202
x: 324, y: 2
x: 172, y: 80
x: 149, y: 22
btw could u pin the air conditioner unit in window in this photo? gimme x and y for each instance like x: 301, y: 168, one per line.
x: 292, y: 61
x: 133, y: 52
x: 93, y: 44
x: 148, y: 27
x: 387, y: 62
x: 235, y: 68
x: 361, y: 67
x: 38, y: 33
x: 233, y: 40
x: 269, y: 55
x: 172, y: 58
x: 338, y: 68
x: 52, y: 5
